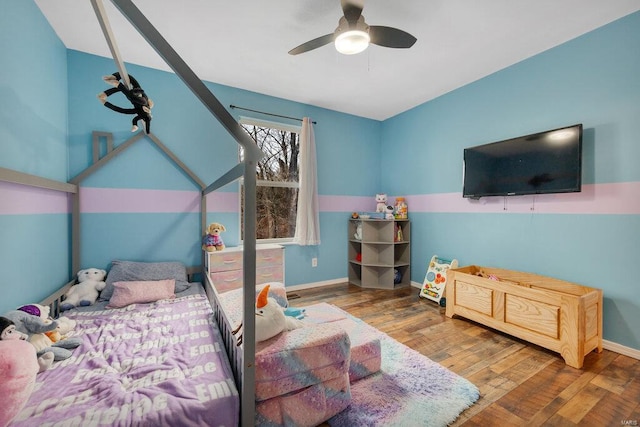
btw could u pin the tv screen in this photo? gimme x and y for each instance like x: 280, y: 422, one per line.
x: 540, y: 163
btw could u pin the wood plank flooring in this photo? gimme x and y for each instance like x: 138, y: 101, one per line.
x: 520, y: 384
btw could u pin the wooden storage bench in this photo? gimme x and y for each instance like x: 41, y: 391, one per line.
x: 561, y: 316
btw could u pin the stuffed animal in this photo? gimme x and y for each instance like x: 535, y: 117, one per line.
x: 358, y: 234
x: 8, y: 332
x: 212, y: 241
x: 381, y: 203
x: 34, y: 321
x: 142, y: 105
x: 271, y: 318
x: 18, y: 370
x: 85, y: 293
x: 65, y: 325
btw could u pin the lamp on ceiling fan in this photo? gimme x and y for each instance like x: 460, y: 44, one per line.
x: 353, y: 35
x: 351, y: 41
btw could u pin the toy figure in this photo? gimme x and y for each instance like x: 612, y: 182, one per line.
x: 141, y: 104
x: 381, y: 203
x: 212, y: 241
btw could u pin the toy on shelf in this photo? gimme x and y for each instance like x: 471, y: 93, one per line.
x: 397, y: 233
x: 401, y: 211
x: 389, y: 214
x: 381, y: 203
x: 397, y: 276
x: 358, y: 234
x: 436, y: 278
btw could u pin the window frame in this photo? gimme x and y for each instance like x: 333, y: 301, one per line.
x: 265, y: 183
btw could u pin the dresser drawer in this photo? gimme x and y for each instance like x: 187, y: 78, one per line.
x: 269, y: 274
x: 227, y: 280
x: 269, y: 257
x: 225, y: 267
x: 224, y: 261
x: 233, y: 279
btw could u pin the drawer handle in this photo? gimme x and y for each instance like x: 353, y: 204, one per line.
x: 230, y: 280
x: 229, y: 261
x: 267, y: 257
x: 266, y: 275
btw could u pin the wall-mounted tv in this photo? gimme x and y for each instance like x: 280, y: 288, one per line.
x: 540, y: 163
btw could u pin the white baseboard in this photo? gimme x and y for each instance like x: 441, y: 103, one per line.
x: 331, y: 282
x: 317, y: 284
x: 607, y: 345
x: 619, y: 348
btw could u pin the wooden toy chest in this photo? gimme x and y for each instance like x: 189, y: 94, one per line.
x: 561, y: 316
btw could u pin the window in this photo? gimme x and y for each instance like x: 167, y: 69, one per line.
x: 277, y: 179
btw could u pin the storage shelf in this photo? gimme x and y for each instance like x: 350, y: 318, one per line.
x: 380, y: 253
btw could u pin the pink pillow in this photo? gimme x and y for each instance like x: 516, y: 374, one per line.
x: 125, y: 293
x: 18, y: 369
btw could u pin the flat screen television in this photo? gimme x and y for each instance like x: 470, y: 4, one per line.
x: 540, y: 163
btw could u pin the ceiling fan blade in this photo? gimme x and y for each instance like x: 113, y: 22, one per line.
x: 352, y: 10
x: 312, y: 44
x: 390, y: 37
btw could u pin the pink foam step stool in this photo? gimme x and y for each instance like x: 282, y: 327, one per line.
x: 365, y: 345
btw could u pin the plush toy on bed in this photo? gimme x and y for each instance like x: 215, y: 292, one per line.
x: 85, y: 293
x: 18, y: 368
x: 8, y: 332
x: 212, y: 241
x: 34, y: 321
x: 65, y: 326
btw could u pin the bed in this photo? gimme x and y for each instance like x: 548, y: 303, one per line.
x: 156, y: 363
x: 245, y: 170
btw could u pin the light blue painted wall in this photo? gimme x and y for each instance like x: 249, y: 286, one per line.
x: 33, y: 89
x: 34, y: 249
x: 592, y: 80
x: 348, y: 151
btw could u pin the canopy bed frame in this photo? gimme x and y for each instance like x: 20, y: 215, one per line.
x: 245, y: 170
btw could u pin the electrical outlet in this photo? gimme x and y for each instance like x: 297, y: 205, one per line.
x: 314, y: 262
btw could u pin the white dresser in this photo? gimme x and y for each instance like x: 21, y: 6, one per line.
x: 225, y: 267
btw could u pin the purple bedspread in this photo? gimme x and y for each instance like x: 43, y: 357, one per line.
x: 158, y: 364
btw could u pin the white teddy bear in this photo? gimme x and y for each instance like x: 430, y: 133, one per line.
x: 90, y: 282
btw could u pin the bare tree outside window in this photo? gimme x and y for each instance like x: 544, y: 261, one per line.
x: 277, y: 179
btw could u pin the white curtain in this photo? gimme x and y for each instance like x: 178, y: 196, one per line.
x: 307, y: 220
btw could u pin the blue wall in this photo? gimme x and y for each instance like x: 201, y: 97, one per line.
x: 45, y: 130
x: 593, y: 80
x: 34, y: 245
x: 193, y: 134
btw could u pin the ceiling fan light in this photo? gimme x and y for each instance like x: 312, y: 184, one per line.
x: 352, y: 42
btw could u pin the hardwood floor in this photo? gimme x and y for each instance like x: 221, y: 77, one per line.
x: 520, y: 384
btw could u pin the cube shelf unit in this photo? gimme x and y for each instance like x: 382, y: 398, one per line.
x: 381, y: 253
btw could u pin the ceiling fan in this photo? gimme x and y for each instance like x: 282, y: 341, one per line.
x: 353, y: 35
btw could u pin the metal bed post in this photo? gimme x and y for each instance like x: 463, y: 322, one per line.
x: 252, y: 155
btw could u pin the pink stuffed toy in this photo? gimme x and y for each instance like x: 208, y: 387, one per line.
x: 18, y: 369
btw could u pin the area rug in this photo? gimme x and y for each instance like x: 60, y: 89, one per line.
x: 410, y: 390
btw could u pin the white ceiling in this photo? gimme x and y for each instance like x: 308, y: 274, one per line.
x: 244, y: 44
